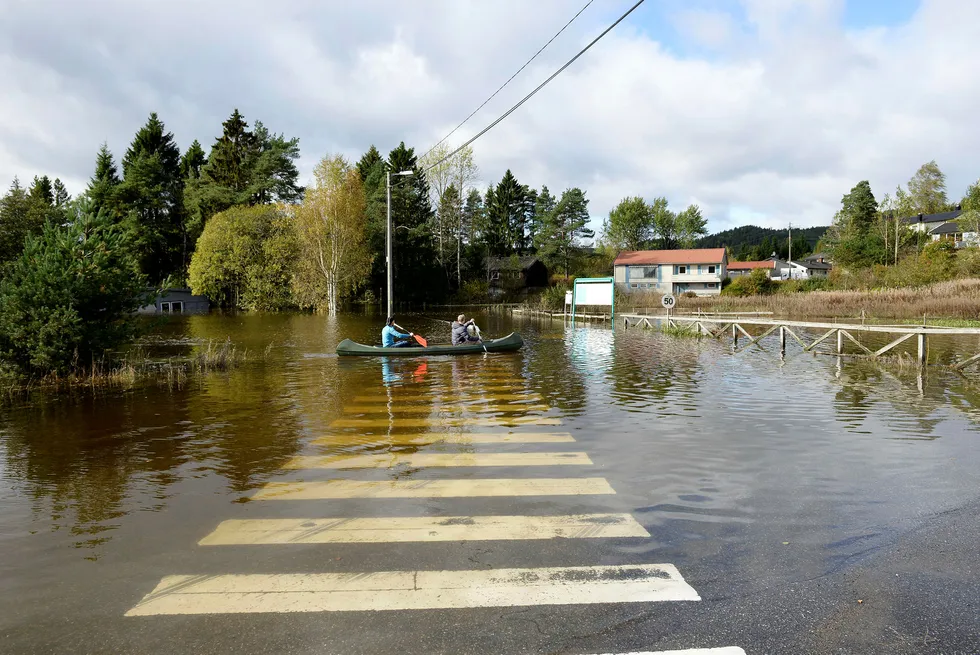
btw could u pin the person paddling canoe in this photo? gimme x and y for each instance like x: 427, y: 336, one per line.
x: 464, y: 331
x: 392, y: 338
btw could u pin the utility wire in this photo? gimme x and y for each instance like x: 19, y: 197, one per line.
x: 538, y: 88
x: 509, y: 79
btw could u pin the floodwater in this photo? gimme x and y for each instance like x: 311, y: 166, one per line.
x: 723, y: 459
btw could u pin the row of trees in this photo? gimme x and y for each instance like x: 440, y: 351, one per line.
x: 866, y: 232
x: 635, y: 224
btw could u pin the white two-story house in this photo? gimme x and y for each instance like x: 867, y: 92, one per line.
x: 672, y: 271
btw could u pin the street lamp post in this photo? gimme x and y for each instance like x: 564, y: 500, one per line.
x: 388, y: 241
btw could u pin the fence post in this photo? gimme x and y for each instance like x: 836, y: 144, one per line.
x: 840, y: 342
x: 922, y: 349
x: 782, y: 340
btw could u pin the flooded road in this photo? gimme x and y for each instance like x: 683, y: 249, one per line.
x: 599, y: 491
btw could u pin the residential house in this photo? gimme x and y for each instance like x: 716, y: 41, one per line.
x: 805, y: 269
x: 819, y: 257
x: 177, y: 301
x: 954, y: 232
x: 510, y: 273
x: 925, y: 223
x: 672, y: 271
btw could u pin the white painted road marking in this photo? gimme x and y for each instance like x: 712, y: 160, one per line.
x: 433, y: 488
x: 464, y: 399
x: 442, y: 422
x: 731, y: 650
x: 431, y: 409
x: 447, y: 438
x: 414, y: 590
x: 426, y: 460
x: 398, y: 529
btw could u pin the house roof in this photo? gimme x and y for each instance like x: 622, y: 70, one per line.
x: 512, y: 263
x: 654, y: 257
x: 813, y: 266
x: 744, y: 266
x: 941, y: 217
x: 815, y: 256
x: 947, y: 228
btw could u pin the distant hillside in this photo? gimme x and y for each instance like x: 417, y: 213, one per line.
x: 749, y: 241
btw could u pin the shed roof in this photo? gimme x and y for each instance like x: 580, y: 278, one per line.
x: 512, y: 263
x: 947, y: 228
x: 654, y: 257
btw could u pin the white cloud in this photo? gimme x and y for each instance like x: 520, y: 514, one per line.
x: 786, y: 115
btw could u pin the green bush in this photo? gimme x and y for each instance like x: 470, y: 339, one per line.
x: 475, y: 291
x: 757, y: 283
x: 70, y: 296
x: 553, y: 298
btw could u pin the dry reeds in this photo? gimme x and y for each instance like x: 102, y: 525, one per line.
x: 954, y: 299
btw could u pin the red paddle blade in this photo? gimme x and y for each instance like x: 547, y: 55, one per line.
x: 422, y: 342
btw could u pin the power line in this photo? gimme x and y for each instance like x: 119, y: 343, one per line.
x: 557, y: 34
x: 538, y: 88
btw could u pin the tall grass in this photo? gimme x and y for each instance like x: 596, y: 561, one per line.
x: 953, y: 299
x: 134, y: 369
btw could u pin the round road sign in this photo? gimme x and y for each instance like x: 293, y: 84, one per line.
x: 668, y: 301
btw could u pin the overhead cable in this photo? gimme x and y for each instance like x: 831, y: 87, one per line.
x: 557, y: 34
x: 538, y: 88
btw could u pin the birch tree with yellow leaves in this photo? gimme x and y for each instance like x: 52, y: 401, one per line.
x: 335, y: 258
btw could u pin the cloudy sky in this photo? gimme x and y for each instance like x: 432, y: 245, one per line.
x: 761, y: 111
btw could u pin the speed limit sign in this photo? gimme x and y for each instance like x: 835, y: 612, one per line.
x: 668, y: 301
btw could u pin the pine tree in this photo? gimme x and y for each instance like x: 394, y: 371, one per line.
x: 151, y: 194
x: 41, y: 190
x: 507, y: 217
x: 61, y: 195
x: 559, y: 236
x: 192, y: 162
x: 15, y: 221
x: 103, y: 188
x: 272, y: 172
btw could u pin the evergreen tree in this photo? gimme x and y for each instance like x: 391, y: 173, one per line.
x: 42, y: 190
x: 544, y: 204
x: 367, y: 163
x: 451, y: 217
x: 494, y: 228
x: 507, y: 218
x: 859, y: 209
x: 151, y: 194
x: 418, y: 276
x: 15, y: 221
x: 245, y: 167
x: 192, y: 162
x: 103, y: 188
x: 61, y: 195
x: 559, y: 236
x: 71, y: 296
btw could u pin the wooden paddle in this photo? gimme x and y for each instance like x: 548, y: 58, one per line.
x: 422, y: 342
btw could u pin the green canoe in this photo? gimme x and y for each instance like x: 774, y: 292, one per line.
x: 512, y: 341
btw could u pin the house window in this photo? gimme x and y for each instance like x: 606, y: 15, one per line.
x: 712, y: 285
x: 681, y: 270
x: 712, y: 270
x: 165, y: 307
x: 177, y: 307
x: 634, y: 285
x: 650, y: 271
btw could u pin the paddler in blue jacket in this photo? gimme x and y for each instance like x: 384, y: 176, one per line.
x: 392, y: 338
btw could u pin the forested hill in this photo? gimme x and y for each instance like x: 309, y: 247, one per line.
x: 749, y: 241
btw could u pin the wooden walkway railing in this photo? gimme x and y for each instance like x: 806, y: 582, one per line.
x: 720, y: 327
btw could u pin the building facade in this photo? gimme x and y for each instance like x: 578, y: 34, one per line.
x: 177, y: 301
x: 700, y: 271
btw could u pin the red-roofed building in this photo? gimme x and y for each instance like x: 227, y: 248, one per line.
x: 672, y: 271
x: 738, y: 269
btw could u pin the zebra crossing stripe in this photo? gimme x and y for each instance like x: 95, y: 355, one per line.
x: 426, y: 460
x: 470, y: 487
x: 464, y: 399
x: 444, y: 438
x: 443, y: 421
x: 414, y: 590
x: 402, y: 529
x: 429, y: 409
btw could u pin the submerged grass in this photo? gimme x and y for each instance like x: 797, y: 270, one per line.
x: 136, y: 368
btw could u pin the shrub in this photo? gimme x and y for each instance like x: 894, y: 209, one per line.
x: 70, y: 296
x: 553, y: 298
x: 473, y: 291
x: 757, y: 283
x: 689, y: 294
